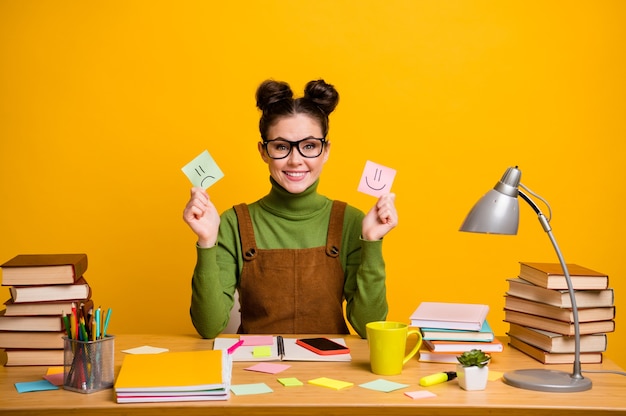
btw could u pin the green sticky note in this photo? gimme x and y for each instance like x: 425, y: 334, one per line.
x: 290, y: 382
x: 383, y: 385
x: 262, y: 351
x: 255, y: 388
x: 203, y: 171
x: 330, y: 383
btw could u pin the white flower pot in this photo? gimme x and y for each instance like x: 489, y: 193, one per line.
x: 472, y: 378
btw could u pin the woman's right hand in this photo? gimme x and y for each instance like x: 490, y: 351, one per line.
x: 202, y: 217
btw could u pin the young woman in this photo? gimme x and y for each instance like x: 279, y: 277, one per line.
x: 294, y: 255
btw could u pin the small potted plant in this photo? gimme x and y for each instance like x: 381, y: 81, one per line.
x: 472, y: 370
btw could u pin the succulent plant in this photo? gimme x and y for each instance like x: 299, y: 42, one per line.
x: 474, y: 357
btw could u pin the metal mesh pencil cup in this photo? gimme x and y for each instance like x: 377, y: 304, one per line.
x: 88, y: 366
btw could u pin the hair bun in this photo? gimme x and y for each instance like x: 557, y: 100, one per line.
x: 324, y: 95
x: 270, y: 92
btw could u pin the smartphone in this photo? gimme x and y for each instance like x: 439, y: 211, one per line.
x: 323, y: 346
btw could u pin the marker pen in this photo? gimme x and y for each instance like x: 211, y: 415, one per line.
x: 437, y: 378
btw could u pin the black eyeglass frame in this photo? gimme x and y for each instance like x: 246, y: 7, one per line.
x: 297, y: 146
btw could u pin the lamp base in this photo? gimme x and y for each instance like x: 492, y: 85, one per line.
x: 546, y: 380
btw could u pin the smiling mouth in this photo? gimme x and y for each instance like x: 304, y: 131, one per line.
x: 295, y: 174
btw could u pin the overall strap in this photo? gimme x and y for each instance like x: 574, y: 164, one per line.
x: 335, y: 228
x: 246, y: 232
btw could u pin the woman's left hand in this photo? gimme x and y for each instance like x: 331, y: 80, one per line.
x: 381, y: 219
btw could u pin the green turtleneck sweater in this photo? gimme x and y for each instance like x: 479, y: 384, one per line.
x: 285, y: 220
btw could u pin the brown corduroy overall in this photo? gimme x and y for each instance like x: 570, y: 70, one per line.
x: 292, y: 291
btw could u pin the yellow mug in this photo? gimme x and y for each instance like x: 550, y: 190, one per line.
x: 387, y: 344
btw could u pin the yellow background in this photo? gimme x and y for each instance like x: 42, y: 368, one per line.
x: 102, y: 103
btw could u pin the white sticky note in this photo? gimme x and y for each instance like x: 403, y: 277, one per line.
x: 203, y: 171
x: 376, y: 179
x: 145, y: 349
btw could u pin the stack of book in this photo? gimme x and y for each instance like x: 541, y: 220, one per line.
x: 174, y: 376
x: 449, y: 329
x: 538, y: 309
x: 43, y: 288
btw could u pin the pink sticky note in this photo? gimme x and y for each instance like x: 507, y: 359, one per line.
x: 56, y: 378
x: 376, y: 179
x: 254, y: 340
x: 421, y: 394
x: 268, y: 368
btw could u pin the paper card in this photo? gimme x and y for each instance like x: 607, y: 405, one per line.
x: 383, y: 385
x: 421, y: 394
x: 494, y: 375
x: 255, y: 388
x: 253, y: 340
x: 268, y: 368
x: 331, y: 383
x: 376, y: 179
x: 55, y: 370
x: 290, y: 382
x: 146, y: 349
x: 203, y: 171
x: 56, y: 378
x: 39, y: 385
x: 262, y: 351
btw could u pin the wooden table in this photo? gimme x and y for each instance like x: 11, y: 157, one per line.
x: 607, y: 396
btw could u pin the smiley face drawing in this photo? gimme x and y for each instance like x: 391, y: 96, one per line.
x: 203, y: 171
x: 378, y: 174
x: 376, y: 179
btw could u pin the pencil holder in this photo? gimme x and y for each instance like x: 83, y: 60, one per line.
x: 88, y: 366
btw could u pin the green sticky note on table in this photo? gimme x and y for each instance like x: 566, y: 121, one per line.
x: 254, y: 388
x: 330, y: 383
x: 262, y: 351
x: 383, y: 385
x: 290, y: 382
x: 203, y: 171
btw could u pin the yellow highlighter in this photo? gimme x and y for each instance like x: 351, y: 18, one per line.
x: 437, y: 378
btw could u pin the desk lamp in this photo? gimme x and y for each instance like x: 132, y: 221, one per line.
x: 498, y: 213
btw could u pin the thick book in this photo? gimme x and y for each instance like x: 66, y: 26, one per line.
x: 32, y: 339
x: 551, y: 276
x: 174, y: 376
x: 560, y: 327
x: 545, y: 357
x: 461, y: 346
x: 43, y: 269
x: 465, y: 316
x: 427, y: 356
x: 42, y: 308
x: 485, y: 334
x: 557, y: 343
x: 560, y: 297
x: 22, y: 357
x: 561, y: 314
x: 291, y: 350
x: 77, y: 290
x: 30, y: 323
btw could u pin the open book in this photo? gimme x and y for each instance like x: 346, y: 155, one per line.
x: 292, y: 351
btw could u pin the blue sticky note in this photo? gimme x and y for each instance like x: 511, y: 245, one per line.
x: 203, y: 171
x: 383, y: 385
x: 40, y: 385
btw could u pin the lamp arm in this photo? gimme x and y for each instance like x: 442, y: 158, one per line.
x: 576, y: 372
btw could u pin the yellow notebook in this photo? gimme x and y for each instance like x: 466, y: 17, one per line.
x: 174, y: 371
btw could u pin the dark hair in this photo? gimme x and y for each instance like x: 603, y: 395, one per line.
x: 275, y: 100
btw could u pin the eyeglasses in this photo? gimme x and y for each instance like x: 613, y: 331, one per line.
x: 279, y: 149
